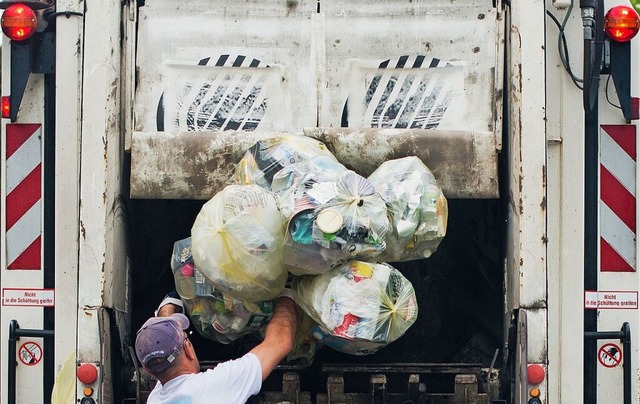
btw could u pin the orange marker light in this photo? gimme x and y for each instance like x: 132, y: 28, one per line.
x: 19, y: 22
x: 87, y: 391
x: 534, y: 392
x: 621, y: 23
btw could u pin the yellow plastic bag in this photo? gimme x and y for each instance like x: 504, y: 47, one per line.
x: 237, y: 243
x: 64, y: 387
x: 359, y: 306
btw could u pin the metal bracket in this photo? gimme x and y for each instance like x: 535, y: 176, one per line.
x: 35, y: 55
x: 14, y: 336
x: 378, y: 389
x: 621, y: 75
x: 624, y: 335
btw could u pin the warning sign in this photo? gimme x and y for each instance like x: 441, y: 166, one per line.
x: 30, y: 353
x: 609, y: 355
x: 610, y: 300
x: 28, y: 297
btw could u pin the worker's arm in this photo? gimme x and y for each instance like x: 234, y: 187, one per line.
x: 278, y: 339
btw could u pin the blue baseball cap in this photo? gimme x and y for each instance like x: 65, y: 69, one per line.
x: 160, y: 340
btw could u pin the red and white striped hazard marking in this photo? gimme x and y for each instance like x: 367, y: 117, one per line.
x: 618, y: 198
x: 23, y: 192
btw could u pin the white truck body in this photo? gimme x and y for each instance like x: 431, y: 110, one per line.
x: 155, y: 103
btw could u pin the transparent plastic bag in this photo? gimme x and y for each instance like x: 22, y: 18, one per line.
x: 337, y: 217
x: 215, y: 315
x: 359, y: 306
x: 417, y: 208
x: 224, y: 319
x: 268, y: 156
x: 237, y: 243
x: 291, y: 183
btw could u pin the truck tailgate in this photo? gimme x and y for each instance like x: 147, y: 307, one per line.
x: 418, y: 70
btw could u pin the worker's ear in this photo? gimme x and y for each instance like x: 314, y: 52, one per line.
x: 188, y: 350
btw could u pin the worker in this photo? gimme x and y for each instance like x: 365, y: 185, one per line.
x: 170, y: 304
x: 165, y: 351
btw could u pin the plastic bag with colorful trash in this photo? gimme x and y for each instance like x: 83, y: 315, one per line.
x: 215, y: 315
x: 417, y: 207
x: 333, y: 216
x: 237, y: 243
x: 268, y: 156
x: 360, y: 307
x: 291, y: 183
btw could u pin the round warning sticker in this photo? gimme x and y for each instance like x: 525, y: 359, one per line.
x: 30, y: 353
x: 610, y: 355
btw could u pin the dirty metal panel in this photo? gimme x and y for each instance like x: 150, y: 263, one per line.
x: 464, y: 163
x: 187, y: 165
x: 225, y: 65
x: 191, y: 165
x: 420, y: 65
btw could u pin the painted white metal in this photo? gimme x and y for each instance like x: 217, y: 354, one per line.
x: 271, y: 46
x: 565, y: 248
x: 526, y: 238
x: 130, y: 21
x: 67, y: 230
x: 336, y: 67
x: 28, y: 317
x: 102, y: 266
x: 460, y: 39
x: 289, y: 67
x: 565, y: 190
x: 610, y: 381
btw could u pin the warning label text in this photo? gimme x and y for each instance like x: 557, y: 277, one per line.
x: 610, y: 300
x: 28, y: 297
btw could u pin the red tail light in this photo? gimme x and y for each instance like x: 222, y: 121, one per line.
x: 6, y: 107
x: 621, y: 23
x: 87, y: 373
x: 19, y: 22
x: 535, y: 374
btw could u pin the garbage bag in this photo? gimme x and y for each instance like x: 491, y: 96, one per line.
x: 337, y: 217
x: 417, y: 209
x: 237, y: 243
x: 359, y: 306
x: 221, y: 318
x: 214, y: 314
x: 268, y: 156
x: 292, y: 182
x: 64, y: 386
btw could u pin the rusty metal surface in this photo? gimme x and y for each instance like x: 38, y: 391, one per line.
x: 464, y: 163
x: 188, y: 165
x: 196, y: 165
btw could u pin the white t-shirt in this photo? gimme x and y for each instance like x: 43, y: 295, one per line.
x: 228, y: 383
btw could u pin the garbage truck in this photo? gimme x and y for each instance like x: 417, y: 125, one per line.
x: 120, y: 119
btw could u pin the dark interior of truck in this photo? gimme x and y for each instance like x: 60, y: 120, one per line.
x: 459, y: 290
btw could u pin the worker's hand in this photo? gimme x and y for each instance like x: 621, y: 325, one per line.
x: 280, y: 334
